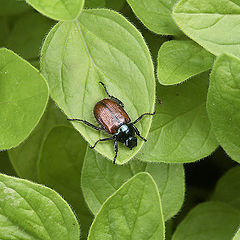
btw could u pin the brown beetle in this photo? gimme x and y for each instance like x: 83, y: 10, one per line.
x: 113, y: 119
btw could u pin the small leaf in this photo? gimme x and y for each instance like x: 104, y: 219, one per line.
x: 223, y: 104
x: 228, y: 188
x: 132, y: 212
x: 209, y: 220
x: 31, y: 211
x: 58, y: 9
x: 212, y: 24
x: 156, y: 15
x: 11, y: 7
x: 60, y: 167
x: 21, y: 109
x: 25, y: 157
x: 27, y: 34
x: 180, y: 60
x: 77, y: 55
x: 181, y: 131
x: 101, y: 178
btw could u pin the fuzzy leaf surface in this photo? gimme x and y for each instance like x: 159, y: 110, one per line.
x: 132, y: 212
x: 58, y: 9
x: 33, y: 212
x: 156, y: 15
x: 77, y: 55
x: 214, y: 24
x: 223, y: 104
x: 181, y: 131
x: 180, y: 60
x: 21, y: 108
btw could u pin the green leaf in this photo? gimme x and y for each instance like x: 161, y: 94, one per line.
x: 60, y: 168
x: 209, y: 220
x: 27, y: 34
x: 156, y: 15
x: 224, y: 102
x: 94, y: 3
x: 25, y: 157
x: 237, y: 235
x: 228, y: 188
x: 132, y: 212
x: 31, y: 211
x: 181, y: 131
x: 58, y: 9
x: 180, y: 60
x: 21, y: 109
x: 212, y: 24
x: 101, y: 178
x: 77, y: 55
x: 11, y: 7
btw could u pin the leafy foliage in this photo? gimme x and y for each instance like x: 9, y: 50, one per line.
x: 189, y: 75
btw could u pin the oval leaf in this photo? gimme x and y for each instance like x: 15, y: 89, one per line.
x: 228, y: 188
x: 212, y: 24
x: 101, y: 178
x: 58, y: 9
x: 209, y: 220
x: 237, y: 235
x: 156, y: 15
x: 223, y: 104
x: 60, y: 167
x: 21, y: 108
x: 32, y: 211
x: 180, y: 60
x: 132, y: 212
x: 181, y: 131
x: 77, y: 55
x: 25, y: 157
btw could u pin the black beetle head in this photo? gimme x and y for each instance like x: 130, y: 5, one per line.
x: 131, y: 142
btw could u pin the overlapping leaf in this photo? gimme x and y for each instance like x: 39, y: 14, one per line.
x: 133, y: 212
x: 31, y: 211
x: 77, y: 55
x: 21, y: 108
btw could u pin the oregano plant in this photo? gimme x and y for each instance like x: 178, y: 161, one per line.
x: 178, y: 61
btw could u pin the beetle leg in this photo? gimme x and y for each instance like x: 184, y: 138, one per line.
x: 102, y: 140
x: 116, y: 151
x: 138, y: 133
x: 87, y: 123
x: 112, y: 97
x: 143, y: 116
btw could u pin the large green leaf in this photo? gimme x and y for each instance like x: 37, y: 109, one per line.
x: 115, y: 4
x: 31, y: 212
x: 213, y: 24
x: 25, y: 157
x: 4, y: 30
x: 60, y: 168
x: 180, y: 60
x: 23, y: 98
x: 223, y: 104
x: 101, y: 178
x: 77, y: 55
x: 58, y: 9
x: 209, y: 220
x: 5, y: 164
x: 181, y: 131
x: 94, y: 3
x: 228, y: 188
x: 132, y: 212
x: 27, y: 34
x: 156, y: 15
x: 11, y: 7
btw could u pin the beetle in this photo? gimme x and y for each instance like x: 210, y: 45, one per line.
x: 113, y: 119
